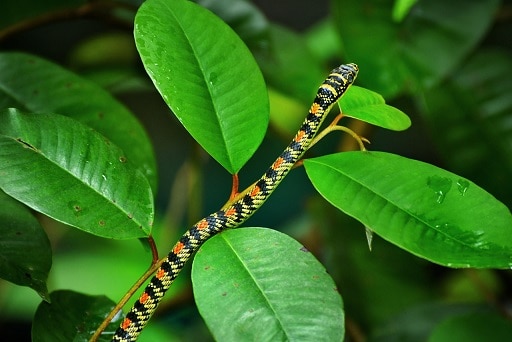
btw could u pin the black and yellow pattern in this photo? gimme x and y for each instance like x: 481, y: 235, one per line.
x: 239, y: 210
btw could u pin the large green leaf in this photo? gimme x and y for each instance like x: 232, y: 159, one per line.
x: 64, y: 169
x: 41, y: 86
x: 259, y: 284
x: 434, y: 37
x: 426, y: 210
x: 471, y: 114
x: 206, y: 75
x: 72, y: 316
x: 25, y: 252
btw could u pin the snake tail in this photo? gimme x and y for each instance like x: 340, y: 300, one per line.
x: 241, y: 209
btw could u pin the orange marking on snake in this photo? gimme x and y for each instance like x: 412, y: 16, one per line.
x: 255, y: 191
x: 277, y: 163
x: 126, y: 323
x: 143, y: 297
x: 230, y: 212
x: 160, y: 274
x: 299, y: 136
x: 177, y: 249
x: 202, y: 224
x: 314, y: 108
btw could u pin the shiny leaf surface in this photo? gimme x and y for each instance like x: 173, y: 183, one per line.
x: 25, y: 252
x: 71, y: 173
x: 259, y: 284
x: 206, y: 75
x: 426, y: 210
x: 34, y: 84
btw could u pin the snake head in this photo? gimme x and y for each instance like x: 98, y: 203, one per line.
x: 348, y: 71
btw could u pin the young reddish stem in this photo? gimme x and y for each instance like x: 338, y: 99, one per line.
x: 234, y: 187
x: 154, y: 250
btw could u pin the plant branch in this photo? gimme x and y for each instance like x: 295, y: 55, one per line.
x: 332, y: 128
x: 90, y: 9
x: 119, y: 306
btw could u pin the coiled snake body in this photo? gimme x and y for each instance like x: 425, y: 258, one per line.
x: 239, y: 210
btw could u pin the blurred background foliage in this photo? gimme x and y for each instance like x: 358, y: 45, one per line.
x: 446, y: 64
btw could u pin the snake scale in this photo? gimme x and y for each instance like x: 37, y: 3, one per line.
x: 239, y: 209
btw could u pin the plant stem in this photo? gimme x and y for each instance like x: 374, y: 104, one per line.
x: 119, y: 306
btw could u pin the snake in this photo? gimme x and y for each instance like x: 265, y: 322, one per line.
x: 240, y: 208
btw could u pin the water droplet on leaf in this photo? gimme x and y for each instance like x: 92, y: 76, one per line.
x: 212, y: 78
x: 462, y: 186
x: 440, y: 185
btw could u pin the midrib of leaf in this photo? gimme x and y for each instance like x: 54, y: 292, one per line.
x: 399, y: 209
x: 201, y: 67
x: 88, y: 186
x: 267, y: 300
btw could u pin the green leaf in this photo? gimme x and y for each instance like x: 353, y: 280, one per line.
x: 259, y: 284
x: 470, y: 114
x: 206, y: 75
x: 69, y: 172
x: 41, y: 86
x: 72, y: 316
x: 426, y: 210
x: 401, y: 8
x: 25, y: 252
x: 368, y: 106
x: 404, y: 327
x: 434, y: 38
x: 473, y: 327
x: 324, y: 34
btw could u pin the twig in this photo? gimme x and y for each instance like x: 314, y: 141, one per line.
x: 119, y: 306
x: 89, y: 9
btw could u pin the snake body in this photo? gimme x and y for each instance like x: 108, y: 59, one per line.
x: 240, y: 209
